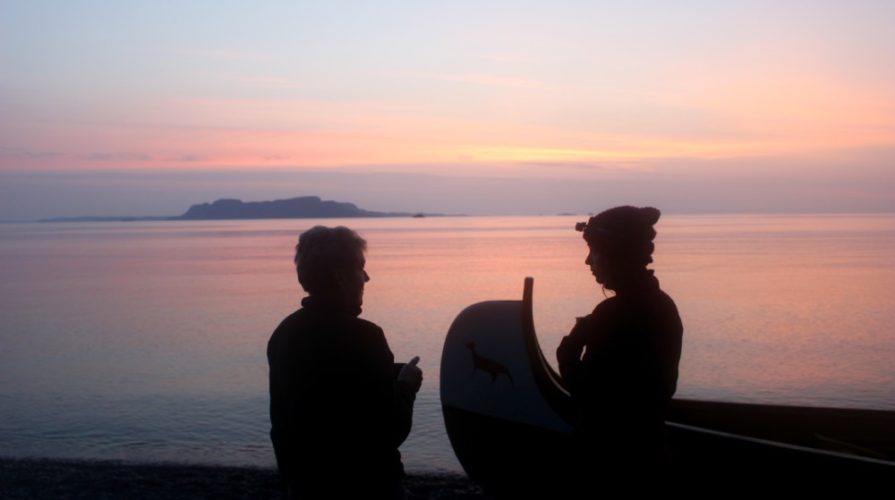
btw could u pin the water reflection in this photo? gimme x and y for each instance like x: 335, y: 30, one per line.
x: 107, y: 326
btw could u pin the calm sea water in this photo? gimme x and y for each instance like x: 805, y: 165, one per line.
x: 146, y: 341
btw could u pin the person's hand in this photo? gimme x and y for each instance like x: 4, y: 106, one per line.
x: 411, y: 374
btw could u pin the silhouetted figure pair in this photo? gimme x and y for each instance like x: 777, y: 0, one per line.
x: 339, y: 405
x: 620, y: 363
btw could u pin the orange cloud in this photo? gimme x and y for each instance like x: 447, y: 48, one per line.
x: 790, y: 114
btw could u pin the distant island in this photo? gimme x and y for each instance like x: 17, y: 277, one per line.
x: 303, y: 207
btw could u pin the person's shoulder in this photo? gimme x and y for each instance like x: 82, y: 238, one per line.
x: 372, y: 332
x: 605, y: 313
x: 606, y: 306
x: 668, y: 312
x: 290, y: 321
x: 370, y: 338
x: 663, y: 298
x: 288, y: 324
x: 368, y: 327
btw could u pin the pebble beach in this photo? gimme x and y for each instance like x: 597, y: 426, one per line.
x: 46, y: 479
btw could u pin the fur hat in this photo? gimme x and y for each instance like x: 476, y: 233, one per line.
x: 623, y: 233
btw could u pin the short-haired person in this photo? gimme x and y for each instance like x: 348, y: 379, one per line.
x: 339, y: 405
x: 620, y: 363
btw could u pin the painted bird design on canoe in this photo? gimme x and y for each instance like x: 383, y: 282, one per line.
x: 487, y: 365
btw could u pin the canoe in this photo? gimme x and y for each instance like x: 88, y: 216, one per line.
x: 508, y: 418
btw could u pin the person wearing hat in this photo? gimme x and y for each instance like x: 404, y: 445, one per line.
x: 620, y: 363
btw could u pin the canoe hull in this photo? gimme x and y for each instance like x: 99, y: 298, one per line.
x: 509, y: 418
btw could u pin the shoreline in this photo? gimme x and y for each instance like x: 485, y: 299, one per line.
x: 62, y: 478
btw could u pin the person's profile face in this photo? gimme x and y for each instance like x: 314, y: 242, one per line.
x: 355, y: 280
x: 597, y: 264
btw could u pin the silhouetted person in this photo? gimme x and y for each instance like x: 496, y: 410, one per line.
x: 620, y: 363
x: 339, y: 405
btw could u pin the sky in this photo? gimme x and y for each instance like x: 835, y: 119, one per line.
x: 485, y: 107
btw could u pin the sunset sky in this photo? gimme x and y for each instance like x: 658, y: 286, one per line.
x: 503, y: 107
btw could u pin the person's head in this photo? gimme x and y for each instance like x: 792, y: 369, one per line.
x: 620, y: 243
x: 330, y: 263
